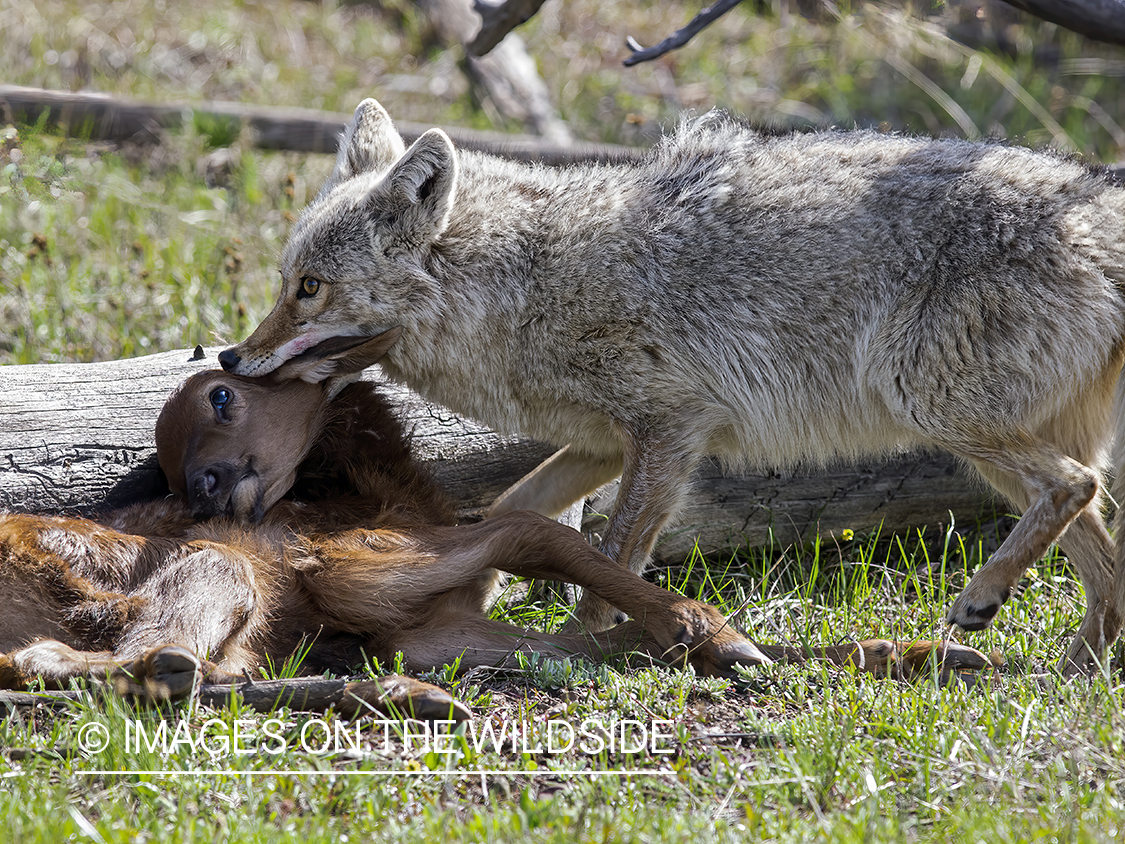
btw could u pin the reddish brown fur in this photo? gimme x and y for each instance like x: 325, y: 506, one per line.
x: 361, y: 559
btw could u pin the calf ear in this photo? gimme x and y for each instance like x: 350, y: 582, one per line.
x: 413, y: 201
x: 336, y: 359
x: 369, y: 143
x: 358, y: 358
x: 348, y: 364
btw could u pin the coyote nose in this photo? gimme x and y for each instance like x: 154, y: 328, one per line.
x: 229, y: 359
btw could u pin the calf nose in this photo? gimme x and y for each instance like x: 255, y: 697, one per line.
x: 208, y: 490
x: 204, y: 486
x: 229, y: 359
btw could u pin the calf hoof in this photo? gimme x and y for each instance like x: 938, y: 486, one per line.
x: 916, y: 658
x: 708, y: 642
x: 168, y: 672
x: 403, y: 697
x: 737, y: 651
x: 593, y: 615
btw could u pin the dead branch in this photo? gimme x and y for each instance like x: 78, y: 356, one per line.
x: 498, y: 19
x: 101, y: 117
x: 1098, y: 20
x: 681, y: 36
x: 300, y: 694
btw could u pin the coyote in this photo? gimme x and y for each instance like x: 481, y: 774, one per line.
x: 770, y: 300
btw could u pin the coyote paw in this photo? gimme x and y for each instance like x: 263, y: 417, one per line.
x: 164, y: 673
x: 404, y: 697
x: 699, y: 635
x: 1087, y: 653
x: 978, y: 604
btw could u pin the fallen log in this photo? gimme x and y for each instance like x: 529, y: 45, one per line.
x: 76, y: 438
x: 101, y: 117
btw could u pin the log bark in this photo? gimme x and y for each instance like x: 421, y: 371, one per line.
x: 100, y: 117
x: 77, y: 438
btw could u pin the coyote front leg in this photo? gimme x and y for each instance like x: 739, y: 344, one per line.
x: 654, y: 481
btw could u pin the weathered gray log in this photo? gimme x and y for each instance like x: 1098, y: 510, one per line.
x: 101, y: 117
x: 302, y: 694
x: 78, y: 437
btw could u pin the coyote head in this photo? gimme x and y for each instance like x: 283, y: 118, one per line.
x: 354, y: 265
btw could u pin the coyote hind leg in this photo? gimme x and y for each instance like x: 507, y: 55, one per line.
x: 658, y: 468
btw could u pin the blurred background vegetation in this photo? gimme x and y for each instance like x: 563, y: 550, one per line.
x: 110, y: 251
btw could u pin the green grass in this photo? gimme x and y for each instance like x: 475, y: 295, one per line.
x: 782, y: 753
x: 108, y: 253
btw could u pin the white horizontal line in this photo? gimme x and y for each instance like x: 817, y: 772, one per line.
x: 533, y: 773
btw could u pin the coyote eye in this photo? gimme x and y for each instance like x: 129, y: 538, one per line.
x: 220, y: 398
x: 309, y: 287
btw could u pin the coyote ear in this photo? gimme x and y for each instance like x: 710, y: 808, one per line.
x: 358, y: 358
x: 369, y: 143
x: 421, y: 188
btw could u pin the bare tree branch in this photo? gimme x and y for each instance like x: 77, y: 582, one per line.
x: 498, y: 19
x: 507, y: 78
x: 1099, y: 20
x: 681, y: 36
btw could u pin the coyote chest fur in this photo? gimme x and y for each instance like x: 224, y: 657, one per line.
x: 769, y: 300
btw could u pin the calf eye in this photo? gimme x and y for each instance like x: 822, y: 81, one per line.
x: 220, y: 398
x: 309, y: 287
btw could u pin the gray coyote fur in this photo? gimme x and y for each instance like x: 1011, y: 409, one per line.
x: 770, y: 300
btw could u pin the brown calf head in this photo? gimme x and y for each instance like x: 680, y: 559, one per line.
x: 230, y: 445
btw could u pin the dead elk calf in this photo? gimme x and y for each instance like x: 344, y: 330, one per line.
x: 361, y: 559
x: 301, y: 523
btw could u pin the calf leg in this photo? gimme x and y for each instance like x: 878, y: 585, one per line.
x: 58, y: 624
x: 166, y: 672
x: 665, y: 624
x: 381, y: 580
x: 885, y: 658
x: 470, y: 641
x: 204, y: 598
